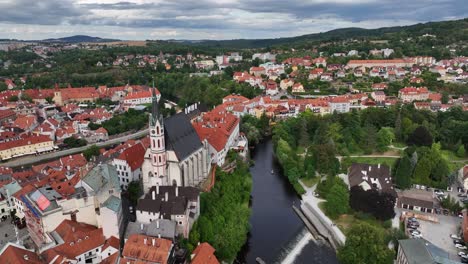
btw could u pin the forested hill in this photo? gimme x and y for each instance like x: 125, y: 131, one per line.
x: 79, y: 39
x: 445, y: 31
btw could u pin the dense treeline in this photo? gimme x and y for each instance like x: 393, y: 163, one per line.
x: 224, y: 218
x: 132, y: 120
x: 308, y: 144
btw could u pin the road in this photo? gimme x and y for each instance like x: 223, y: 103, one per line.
x: 28, y: 160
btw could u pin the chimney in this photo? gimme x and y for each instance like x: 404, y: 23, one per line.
x: 144, y: 241
x: 157, y: 224
x: 153, y: 194
x: 159, y: 235
x: 154, y: 242
x: 378, y: 166
x: 73, y: 229
x: 370, y: 168
x: 141, y: 226
x: 157, y: 189
x: 167, y: 196
x: 177, y: 191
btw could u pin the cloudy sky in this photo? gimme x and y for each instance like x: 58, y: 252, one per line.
x: 212, y: 19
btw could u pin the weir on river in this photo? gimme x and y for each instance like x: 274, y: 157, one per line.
x: 277, y: 234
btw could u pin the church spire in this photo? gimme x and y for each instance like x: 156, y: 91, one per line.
x: 155, y: 115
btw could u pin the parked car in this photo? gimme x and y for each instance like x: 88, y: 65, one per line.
x: 459, y: 246
x: 453, y: 236
x: 416, y: 224
x: 438, y: 192
x: 464, y: 195
x: 462, y: 254
x: 458, y: 241
x: 417, y: 235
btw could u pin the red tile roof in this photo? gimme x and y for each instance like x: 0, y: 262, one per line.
x: 204, y: 254
x: 28, y: 140
x: 13, y: 254
x: 140, y: 249
x: 134, y: 156
x: 78, y: 238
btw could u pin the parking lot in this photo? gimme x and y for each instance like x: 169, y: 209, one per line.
x: 439, y: 233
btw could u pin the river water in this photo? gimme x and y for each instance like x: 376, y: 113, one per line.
x: 277, y: 234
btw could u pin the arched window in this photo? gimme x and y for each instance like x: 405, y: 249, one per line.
x: 150, y: 174
x: 159, y: 143
x: 154, y: 143
x: 157, y: 130
x: 154, y: 158
x: 174, y: 182
x: 159, y: 158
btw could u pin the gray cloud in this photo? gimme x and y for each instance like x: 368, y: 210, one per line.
x: 226, y: 18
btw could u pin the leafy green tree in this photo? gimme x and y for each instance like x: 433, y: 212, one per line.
x: 365, y: 245
x: 461, y: 151
x: 337, y: 200
x: 134, y: 191
x: 90, y: 152
x: 420, y: 137
x: 369, y: 141
x: 403, y: 173
x: 73, y: 142
x: 422, y: 171
x: 385, y: 137
x: 13, y: 98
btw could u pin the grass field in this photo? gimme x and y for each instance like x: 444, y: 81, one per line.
x: 370, y: 160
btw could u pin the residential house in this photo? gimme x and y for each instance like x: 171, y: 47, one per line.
x: 204, y: 254
x: 379, y: 86
x: 286, y: 83
x: 298, y: 88
x: 421, y: 251
x: 369, y: 177
x: 178, y: 204
x: 12, y: 253
x: 146, y: 249
x: 257, y: 71
x: 379, y: 96
x: 128, y: 164
x: 410, y: 94
x: 340, y: 104
x: 417, y: 200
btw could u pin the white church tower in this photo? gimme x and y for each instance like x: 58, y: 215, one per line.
x: 157, y: 174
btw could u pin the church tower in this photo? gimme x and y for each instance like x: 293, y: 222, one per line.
x: 157, y: 146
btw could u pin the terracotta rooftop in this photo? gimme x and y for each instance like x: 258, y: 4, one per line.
x: 145, y: 249
x: 204, y: 254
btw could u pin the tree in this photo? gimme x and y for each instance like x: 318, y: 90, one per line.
x: 365, y: 245
x: 26, y: 97
x: 49, y: 99
x: 420, y: 137
x: 134, y: 191
x: 385, y: 137
x: 369, y: 141
x: 91, y: 152
x: 422, y: 171
x: 73, y: 142
x: 403, y: 173
x: 337, y: 200
x: 461, y: 151
x: 13, y: 98
x: 379, y: 204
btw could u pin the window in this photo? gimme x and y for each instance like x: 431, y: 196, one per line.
x: 159, y: 143
x: 157, y: 129
x: 159, y: 158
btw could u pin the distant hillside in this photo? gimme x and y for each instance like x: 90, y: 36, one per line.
x: 79, y: 39
x: 456, y: 30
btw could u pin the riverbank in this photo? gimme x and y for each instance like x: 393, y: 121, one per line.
x: 324, y: 225
x: 277, y: 234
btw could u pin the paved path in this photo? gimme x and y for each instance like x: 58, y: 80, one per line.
x: 31, y: 159
x: 312, y: 202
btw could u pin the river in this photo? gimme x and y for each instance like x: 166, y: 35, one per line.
x: 277, y: 234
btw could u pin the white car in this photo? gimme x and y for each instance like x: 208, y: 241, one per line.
x: 415, y: 235
x: 460, y: 246
x: 416, y: 232
x: 438, y: 192
x: 462, y: 254
x: 455, y: 237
